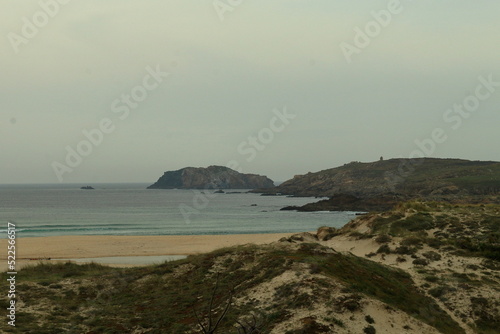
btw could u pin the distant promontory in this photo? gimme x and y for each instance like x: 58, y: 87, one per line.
x: 379, y: 185
x: 419, y: 177
x: 212, y: 177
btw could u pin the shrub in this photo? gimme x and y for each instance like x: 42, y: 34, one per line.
x: 358, y: 235
x: 349, y: 302
x: 431, y: 278
x: 434, y: 243
x: 335, y: 321
x: 437, y: 291
x: 310, y: 325
x: 418, y: 206
x: 383, y: 239
x: 411, y: 241
x: 472, y: 267
x: 55, y: 286
x: 369, y: 319
x: 369, y: 330
x: 385, y: 249
x: 314, y: 269
x: 383, y: 224
x: 405, y: 250
x: 440, y: 291
x: 432, y: 256
x: 420, y: 262
x: 417, y: 222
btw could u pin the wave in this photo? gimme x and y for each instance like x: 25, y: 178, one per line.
x: 73, y: 225
x: 81, y: 230
x: 17, y: 230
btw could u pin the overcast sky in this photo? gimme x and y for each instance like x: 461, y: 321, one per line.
x: 223, y: 74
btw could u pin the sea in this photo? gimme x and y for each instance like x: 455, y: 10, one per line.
x: 131, y: 209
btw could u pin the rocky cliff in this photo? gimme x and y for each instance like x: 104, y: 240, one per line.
x: 405, y: 177
x: 213, y: 177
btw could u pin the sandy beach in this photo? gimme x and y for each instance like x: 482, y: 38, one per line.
x: 29, y: 250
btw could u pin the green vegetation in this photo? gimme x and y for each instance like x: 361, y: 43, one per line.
x: 369, y: 330
x: 391, y: 286
x: 463, y: 230
x: 177, y: 297
x: 383, y: 239
x: 467, y: 230
x: 425, y: 177
x: 382, y: 225
x: 69, y: 298
x: 384, y: 249
x: 44, y: 272
x: 418, y: 222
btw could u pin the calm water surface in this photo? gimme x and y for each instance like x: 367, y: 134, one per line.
x: 131, y: 209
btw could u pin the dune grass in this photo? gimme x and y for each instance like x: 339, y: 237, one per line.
x: 70, y: 298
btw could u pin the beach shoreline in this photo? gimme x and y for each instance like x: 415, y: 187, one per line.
x: 33, y: 250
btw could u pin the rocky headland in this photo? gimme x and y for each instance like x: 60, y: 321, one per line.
x: 379, y: 185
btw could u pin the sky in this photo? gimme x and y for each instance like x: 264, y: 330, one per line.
x: 124, y: 90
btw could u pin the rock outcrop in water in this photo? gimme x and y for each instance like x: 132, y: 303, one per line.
x: 213, y: 177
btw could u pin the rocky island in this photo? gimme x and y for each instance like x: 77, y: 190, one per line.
x: 212, y: 177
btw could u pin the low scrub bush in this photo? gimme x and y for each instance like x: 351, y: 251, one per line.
x: 432, y: 256
x: 383, y: 239
x: 384, y: 249
x: 420, y: 262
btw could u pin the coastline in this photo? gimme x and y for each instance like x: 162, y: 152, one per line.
x: 99, y: 246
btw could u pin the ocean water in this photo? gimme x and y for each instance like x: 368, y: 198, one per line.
x: 131, y: 209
